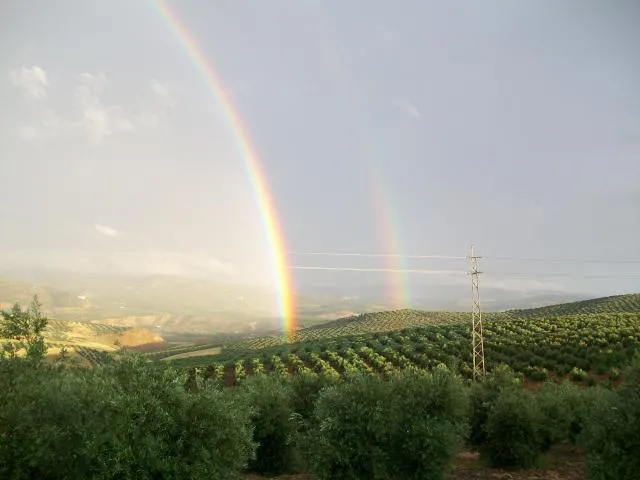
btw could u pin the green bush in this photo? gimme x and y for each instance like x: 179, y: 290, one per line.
x: 560, y: 409
x: 269, y: 397
x: 539, y: 374
x: 578, y: 374
x: 482, y: 397
x: 126, y: 420
x: 305, y: 389
x: 512, y: 430
x: 614, y: 374
x: 612, y: 423
x: 407, y: 427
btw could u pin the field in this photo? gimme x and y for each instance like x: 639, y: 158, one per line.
x: 195, y: 353
x: 585, y: 347
x: 354, y: 325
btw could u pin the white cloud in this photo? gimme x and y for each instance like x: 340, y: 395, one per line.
x: 162, y: 91
x: 47, y: 126
x: 28, y: 132
x: 106, y: 231
x: 97, y: 119
x: 407, y: 107
x: 31, y: 80
x: 90, y: 113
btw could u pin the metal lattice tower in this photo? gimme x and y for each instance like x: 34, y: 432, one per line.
x: 477, y: 340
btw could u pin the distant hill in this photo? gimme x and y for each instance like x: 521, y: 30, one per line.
x: 615, y: 304
x: 167, y: 303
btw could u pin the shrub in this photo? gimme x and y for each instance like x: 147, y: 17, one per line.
x: 407, y: 427
x: 539, y: 374
x: 560, y: 410
x: 578, y: 374
x: 305, y: 390
x: 614, y: 374
x: 271, y: 417
x: 513, y: 437
x: 124, y: 420
x: 591, y: 381
x: 611, y: 430
x: 482, y: 397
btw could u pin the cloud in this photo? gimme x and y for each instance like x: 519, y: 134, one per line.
x: 89, y: 113
x: 97, y: 119
x: 195, y: 265
x: 47, y: 126
x: 31, y: 80
x: 163, y: 92
x: 407, y: 107
x: 106, y: 231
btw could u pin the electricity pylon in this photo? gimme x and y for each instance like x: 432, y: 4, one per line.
x: 477, y: 340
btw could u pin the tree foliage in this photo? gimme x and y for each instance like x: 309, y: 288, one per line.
x: 23, y: 330
x: 273, y: 427
x: 513, y: 434
x: 408, y: 427
x: 126, y: 420
x: 612, y: 423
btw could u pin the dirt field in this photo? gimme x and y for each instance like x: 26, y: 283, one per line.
x: 561, y: 463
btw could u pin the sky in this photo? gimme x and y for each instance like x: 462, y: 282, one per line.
x: 415, y: 127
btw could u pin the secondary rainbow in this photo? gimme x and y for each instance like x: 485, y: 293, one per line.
x: 387, y: 225
x: 257, y: 178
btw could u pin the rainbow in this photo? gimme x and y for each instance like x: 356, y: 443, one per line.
x: 387, y: 226
x: 257, y: 177
x: 388, y: 229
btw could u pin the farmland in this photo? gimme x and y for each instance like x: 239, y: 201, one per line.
x: 584, y: 347
x: 336, y: 406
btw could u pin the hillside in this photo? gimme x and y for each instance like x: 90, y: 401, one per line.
x: 169, y: 303
x: 618, y: 303
x: 584, y: 348
x: 91, y: 340
x: 367, y: 328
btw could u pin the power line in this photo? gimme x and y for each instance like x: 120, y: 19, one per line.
x: 462, y: 272
x: 375, y: 255
x: 582, y: 275
x: 390, y: 270
x: 564, y: 260
x: 458, y: 257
